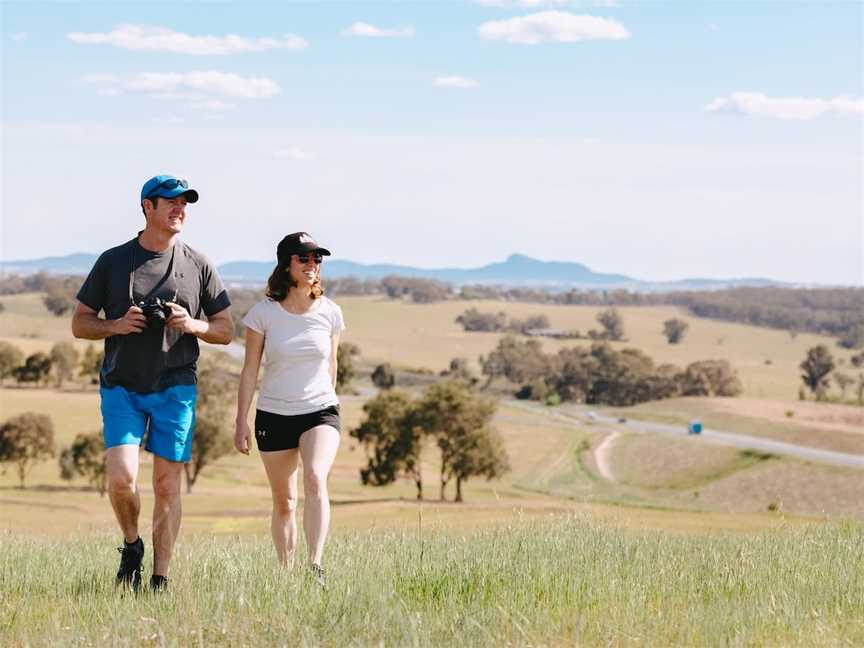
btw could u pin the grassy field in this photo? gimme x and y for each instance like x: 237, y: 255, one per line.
x: 560, y: 580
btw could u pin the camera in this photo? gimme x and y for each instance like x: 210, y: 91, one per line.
x: 156, y: 310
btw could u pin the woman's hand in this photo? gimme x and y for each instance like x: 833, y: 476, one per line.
x: 242, y: 437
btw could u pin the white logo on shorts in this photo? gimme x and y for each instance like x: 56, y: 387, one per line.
x: 261, y: 432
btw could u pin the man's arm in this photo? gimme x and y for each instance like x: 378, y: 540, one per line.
x: 218, y: 329
x: 87, y: 324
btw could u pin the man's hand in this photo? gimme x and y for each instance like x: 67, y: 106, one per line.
x: 182, y: 321
x: 242, y: 437
x: 132, y: 322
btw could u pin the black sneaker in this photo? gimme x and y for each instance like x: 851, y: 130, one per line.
x: 131, y: 557
x: 158, y: 583
x: 318, y: 575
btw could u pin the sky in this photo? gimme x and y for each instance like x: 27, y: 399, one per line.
x: 661, y: 140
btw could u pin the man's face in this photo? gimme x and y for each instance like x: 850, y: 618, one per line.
x: 168, y: 214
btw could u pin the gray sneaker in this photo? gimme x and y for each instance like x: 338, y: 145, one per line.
x: 318, y: 575
x: 131, y: 557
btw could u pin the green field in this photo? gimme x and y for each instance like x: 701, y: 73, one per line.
x: 676, y: 543
x: 562, y: 580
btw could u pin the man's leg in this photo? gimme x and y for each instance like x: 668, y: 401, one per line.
x: 166, y: 511
x: 121, y: 464
x: 172, y: 413
x: 318, y: 448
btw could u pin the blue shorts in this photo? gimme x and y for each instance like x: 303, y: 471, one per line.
x: 170, y: 414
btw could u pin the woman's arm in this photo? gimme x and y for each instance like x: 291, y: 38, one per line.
x: 334, y: 355
x: 248, y: 379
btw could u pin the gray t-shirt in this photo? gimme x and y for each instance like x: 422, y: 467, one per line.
x: 138, y: 361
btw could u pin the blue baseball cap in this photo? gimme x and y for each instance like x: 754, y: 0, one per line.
x: 168, y: 186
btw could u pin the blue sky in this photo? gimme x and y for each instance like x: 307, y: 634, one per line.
x: 656, y: 139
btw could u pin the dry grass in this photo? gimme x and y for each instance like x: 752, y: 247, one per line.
x: 655, y: 461
x: 724, y: 414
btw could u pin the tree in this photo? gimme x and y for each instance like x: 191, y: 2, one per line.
x: 844, y: 381
x: 345, y: 364
x: 64, y: 359
x: 58, y: 302
x: 710, y: 378
x: 459, y: 420
x: 473, y: 320
x: 392, y: 440
x: 383, y: 376
x: 816, y: 366
x: 459, y: 370
x: 217, y: 397
x: 613, y: 325
x: 518, y: 361
x: 85, y: 458
x: 91, y: 364
x: 10, y: 358
x: 852, y: 337
x: 674, y: 330
x: 25, y: 440
x: 35, y: 368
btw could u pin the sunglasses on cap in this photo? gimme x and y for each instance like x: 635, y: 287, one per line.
x: 316, y: 257
x: 171, y: 183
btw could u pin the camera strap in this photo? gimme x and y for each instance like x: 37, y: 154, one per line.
x: 158, y: 283
x: 166, y: 342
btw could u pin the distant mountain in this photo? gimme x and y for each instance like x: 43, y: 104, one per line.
x: 79, y: 263
x: 516, y: 270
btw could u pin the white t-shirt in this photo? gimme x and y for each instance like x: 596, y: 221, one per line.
x: 297, y: 352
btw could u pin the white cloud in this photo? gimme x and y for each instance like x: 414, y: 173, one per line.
x: 365, y: 29
x: 557, y: 26
x: 212, y: 105
x: 187, y: 84
x: 758, y: 104
x: 161, y: 39
x: 19, y: 37
x: 455, y: 82
x: 294, y: 153
x: 537, y: 4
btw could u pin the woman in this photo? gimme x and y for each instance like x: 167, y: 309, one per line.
x: 297, y: 417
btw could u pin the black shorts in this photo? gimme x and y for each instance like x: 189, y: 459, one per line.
x: 280, y: 432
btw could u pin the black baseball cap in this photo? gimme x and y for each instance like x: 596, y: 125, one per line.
x: 297, y: 243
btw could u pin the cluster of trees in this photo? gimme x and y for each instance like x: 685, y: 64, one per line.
x: 474, y: 320
x: 419, y: 291
x: 819, y: 369
x: 62, y: 363
x: 60, y: 291
x: 828, y: 311
x: 451, y: 414
x: 603, y: 375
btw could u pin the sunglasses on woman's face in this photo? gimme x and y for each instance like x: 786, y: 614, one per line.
x: 304, y: 258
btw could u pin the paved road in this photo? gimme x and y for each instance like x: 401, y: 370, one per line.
x: 708, y: 435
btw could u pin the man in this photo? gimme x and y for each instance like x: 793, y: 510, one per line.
x: 153, y: 290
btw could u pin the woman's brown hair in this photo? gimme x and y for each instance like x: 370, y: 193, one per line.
x: 280, y: 281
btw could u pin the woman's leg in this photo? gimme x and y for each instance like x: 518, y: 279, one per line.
x: 281, y: 467
x: 318, y: 448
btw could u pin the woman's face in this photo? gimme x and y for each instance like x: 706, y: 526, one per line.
x: 305, y: 268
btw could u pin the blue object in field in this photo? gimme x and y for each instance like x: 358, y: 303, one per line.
x: 695, y: 427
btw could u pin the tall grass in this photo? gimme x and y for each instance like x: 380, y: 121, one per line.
x: 561, y: 580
